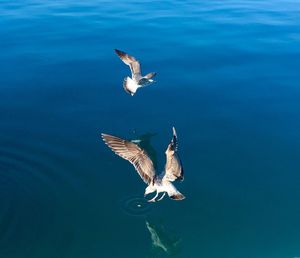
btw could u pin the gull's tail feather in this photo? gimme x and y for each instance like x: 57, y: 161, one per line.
x: 178, y: 196
x: 173, y: 193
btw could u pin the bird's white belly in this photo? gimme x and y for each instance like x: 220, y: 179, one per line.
x: 166, y: 186
x: 131, y: 85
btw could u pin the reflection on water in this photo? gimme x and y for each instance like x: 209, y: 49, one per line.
x: 162, y: 240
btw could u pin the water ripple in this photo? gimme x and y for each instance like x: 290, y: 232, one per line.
x: 26, y: 188
x: 135, y: 206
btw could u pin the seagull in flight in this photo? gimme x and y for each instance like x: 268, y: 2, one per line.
x: 139, y: 158
x: 131, y: 85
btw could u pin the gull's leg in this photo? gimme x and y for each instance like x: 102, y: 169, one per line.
x: 161, y: 197
x: 153, y: 199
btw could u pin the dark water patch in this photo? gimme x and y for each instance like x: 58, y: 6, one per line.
x: 30, y: 190
x: 20, y: 211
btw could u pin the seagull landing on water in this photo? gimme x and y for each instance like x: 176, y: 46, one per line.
x: 144, y: 166
x: 137, y: 81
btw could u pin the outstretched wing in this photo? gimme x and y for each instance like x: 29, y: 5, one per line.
x: 134, y: 154
x: 150, y: 75
x: 173, y: 167
x: 134, y: 64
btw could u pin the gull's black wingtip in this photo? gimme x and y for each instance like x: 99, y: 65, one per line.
x: 119, y: 52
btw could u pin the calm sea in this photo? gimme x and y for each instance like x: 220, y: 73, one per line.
x: 227, y: 79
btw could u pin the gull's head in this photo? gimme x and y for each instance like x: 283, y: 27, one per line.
x: 169, y: 151
x: 149, y: 189
x: 151, y: 81
x: 145, y: 81
x: 148, y: 81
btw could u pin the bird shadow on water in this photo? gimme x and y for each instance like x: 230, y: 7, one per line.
x: 163, y: 241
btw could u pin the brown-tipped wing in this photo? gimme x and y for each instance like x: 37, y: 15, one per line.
x: 134, y: 64
x: 134, y: 154
x: 173, y: 167
x: 150, y: 75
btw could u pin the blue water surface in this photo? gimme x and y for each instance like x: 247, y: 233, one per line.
x: 227, y: 79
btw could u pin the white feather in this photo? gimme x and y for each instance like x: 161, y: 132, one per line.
x: 131, y: 85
